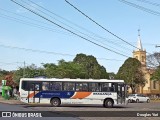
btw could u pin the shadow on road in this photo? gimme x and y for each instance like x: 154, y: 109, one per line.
x: 73, y: 106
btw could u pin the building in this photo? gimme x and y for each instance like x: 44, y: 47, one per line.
x: 151, y: 87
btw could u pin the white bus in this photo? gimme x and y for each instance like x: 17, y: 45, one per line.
x: 73, y: 91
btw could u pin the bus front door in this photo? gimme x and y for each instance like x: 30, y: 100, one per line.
x: 34, y: 89
x: 121, y: 93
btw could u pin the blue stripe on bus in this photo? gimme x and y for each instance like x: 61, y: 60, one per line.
x: 50, y: 94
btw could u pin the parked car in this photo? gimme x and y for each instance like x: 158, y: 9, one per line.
x: 138, y: 98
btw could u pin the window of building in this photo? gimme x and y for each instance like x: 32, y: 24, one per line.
x: 69, y: 86
x: 154, y: 84
x: 142, y: 58
x: 81, y: 86
x: 56, y: 86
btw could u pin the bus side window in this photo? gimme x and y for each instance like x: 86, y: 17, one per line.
x: 31, y: 88
x: 81, y: 86
x: 25, y: 85
x: 94, y: 87
x: 56, y: 86
x: 45, y: 86
x: 78, y: 86
x: 85, y: 87
x: 91, y: 87
x: 105, y: 87
x: 37, y: 87
x: 98, y: 87
x: 68, y: 86
x: 111, y: 89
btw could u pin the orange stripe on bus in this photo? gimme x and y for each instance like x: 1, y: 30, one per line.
x: 31, y: 95
x: 81, y: 95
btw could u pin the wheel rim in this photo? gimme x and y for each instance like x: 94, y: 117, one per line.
x: 109, y: 103
x: 55, y: 102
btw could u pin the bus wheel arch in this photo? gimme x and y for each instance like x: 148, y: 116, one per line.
x: 55, y: 101
x: 108, y: 103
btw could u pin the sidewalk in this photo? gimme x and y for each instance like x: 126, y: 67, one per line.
x: 10, y: 101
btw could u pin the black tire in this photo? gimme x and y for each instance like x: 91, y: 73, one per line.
x: 148, y: 101
x: 108, y: 103
x: 55, y: 102
x: 137, y: 101
x: 129, y: 101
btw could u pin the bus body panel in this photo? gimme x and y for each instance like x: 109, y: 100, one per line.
x: 71, y: 97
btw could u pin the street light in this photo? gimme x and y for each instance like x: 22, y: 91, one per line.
x: 157, y: 46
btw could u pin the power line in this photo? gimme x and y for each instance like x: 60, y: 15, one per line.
x: 69, y: 30
x: 52, y: 17
x: 46, y: 52
x: 12, y: 63
x: 99, y: 24
x: 34, y: 50
x: 24, y: 22
x: 149, y: 2
x: 31, y: 24
x: 7, y: 11
x: 140, y: 7
x: 95, y: 35
x: 45, y: 28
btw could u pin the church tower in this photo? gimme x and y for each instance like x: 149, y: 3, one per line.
x: 139, y: 53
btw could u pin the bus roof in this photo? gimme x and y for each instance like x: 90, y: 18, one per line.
x: 70, y: 80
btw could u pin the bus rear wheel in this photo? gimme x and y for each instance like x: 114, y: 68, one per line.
x: 55, y: 102
x: 108, y: 103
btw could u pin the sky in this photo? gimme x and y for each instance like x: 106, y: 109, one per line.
x: 26, y: 37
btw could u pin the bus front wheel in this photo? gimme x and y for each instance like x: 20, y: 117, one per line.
x: 108, y: 103
x: 55, y: 102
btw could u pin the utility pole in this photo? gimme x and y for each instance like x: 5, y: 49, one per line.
x: 24, y: 69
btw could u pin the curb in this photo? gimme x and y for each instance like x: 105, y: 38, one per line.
x: 10, y: 102
x: 17, y: 102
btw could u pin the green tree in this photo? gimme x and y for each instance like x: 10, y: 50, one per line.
x: 91, y: 67
x: 153, y: 61
x: 3, y: 73
x: 156, y: 75
x: 112, y: 75
x: 64, y: 70
x: 50, y: 70
x: 28, y: 72
x: 132, y: 73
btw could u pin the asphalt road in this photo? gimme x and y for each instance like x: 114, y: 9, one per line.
x: 96, y: 112
x: 24, y: 109
x: 130, y: 107
x: 75, y: 112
